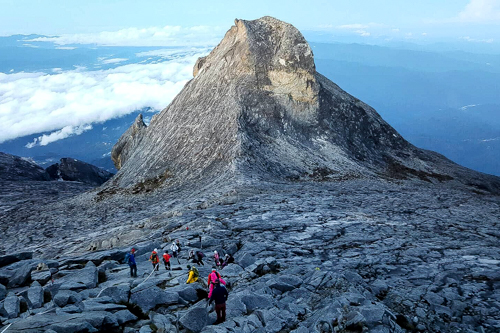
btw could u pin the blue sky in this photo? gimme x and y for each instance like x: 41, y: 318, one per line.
x: 477, y: 20
x: 66, y: 101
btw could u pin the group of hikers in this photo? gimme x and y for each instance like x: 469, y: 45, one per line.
x: 217, y: 291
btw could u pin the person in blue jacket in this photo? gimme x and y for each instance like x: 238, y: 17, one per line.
x: 131, y: 262
x: 219, y: 295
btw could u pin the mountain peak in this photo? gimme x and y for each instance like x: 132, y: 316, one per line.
x: 257, y: 109
x: 272, y: 51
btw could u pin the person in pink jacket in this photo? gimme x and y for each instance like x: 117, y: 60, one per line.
x: 212, y: 277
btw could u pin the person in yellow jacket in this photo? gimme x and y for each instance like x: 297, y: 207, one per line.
x: 193, y: 274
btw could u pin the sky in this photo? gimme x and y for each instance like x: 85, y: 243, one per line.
x: 62, y: 103
x: 477, y: 20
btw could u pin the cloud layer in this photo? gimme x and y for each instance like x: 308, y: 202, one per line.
x: 38, y: 102
x: 481, y: 11
x: 153, y: 36
x: 63, y: 133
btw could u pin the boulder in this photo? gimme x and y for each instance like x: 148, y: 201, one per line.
x: 49, y: 321
x: 148, y: 299
x: 124, y: 316
x: 244, y: 259
x: 187, y: 293
x: 41, y: 277
x: 64, y: 297
x: 73, y: 326
x: 280, y: 285
x: 102, y: 320
x: 11, y: 306
x: 119, y: 293
x: 3, y: 292
x: 235, y: 307
x: 87, y: 277
x: 12, y: 258
x: 17, y: 274
x: 162, y: 322
x: 232, y: 271
x: 35, y: 295
x: 146, y: 329
x: 73, y: 285
x: 195, y: 319
x: 290, y: 280
x: 253, y: 301
x: 97, y: 257
x: 68, y: 309
x: 95, y: 304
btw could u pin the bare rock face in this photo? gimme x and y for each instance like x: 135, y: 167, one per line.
x: 256, y: 108
x: 128, y: 142
x: 13, y: 168
x: 71, y: 169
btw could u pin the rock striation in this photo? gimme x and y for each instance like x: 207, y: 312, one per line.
x: 268, y: 114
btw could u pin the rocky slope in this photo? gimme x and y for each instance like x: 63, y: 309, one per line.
x: 345, y: 256
x: 337, y: 224
x: 14, y: 168
x: 267, y: 113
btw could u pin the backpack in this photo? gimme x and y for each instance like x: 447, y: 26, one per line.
x: 127, y: 258
x: 195, y: 272
x: 154, y: 257
x: 200, y: 254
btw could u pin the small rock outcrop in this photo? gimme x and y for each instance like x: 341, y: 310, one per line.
x: 71, y: 169
x: 257, y: 109
x: 13, y: 168
x: 128, y: 142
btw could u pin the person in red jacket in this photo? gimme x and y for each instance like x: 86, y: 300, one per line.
x: 155, y: 260
x: 166, y: 260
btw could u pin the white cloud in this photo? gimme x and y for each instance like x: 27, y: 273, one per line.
x: 63, y: 133
x: 362, y: 33
x: 113, y: 61
x: 33, y: 103
x: 483, y: 11
x: 153, y: 36
x: 172, y: 53
x: 472, y: 40
x: 355, y: 26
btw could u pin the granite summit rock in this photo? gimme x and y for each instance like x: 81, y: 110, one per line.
x: 257, y: 109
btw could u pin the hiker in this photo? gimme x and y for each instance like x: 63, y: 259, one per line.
x: 166, y: 260
x: 178, y: 243
x: 216, y: 258
x: 214, y: 275
x: 130, y: 260
x: 200, y: 256
x: 193, y: 274
x: 219, y: 296
x: 175, y: 251
x: 228, y: 259
x: 154, y: 260
x: 197, y: 257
